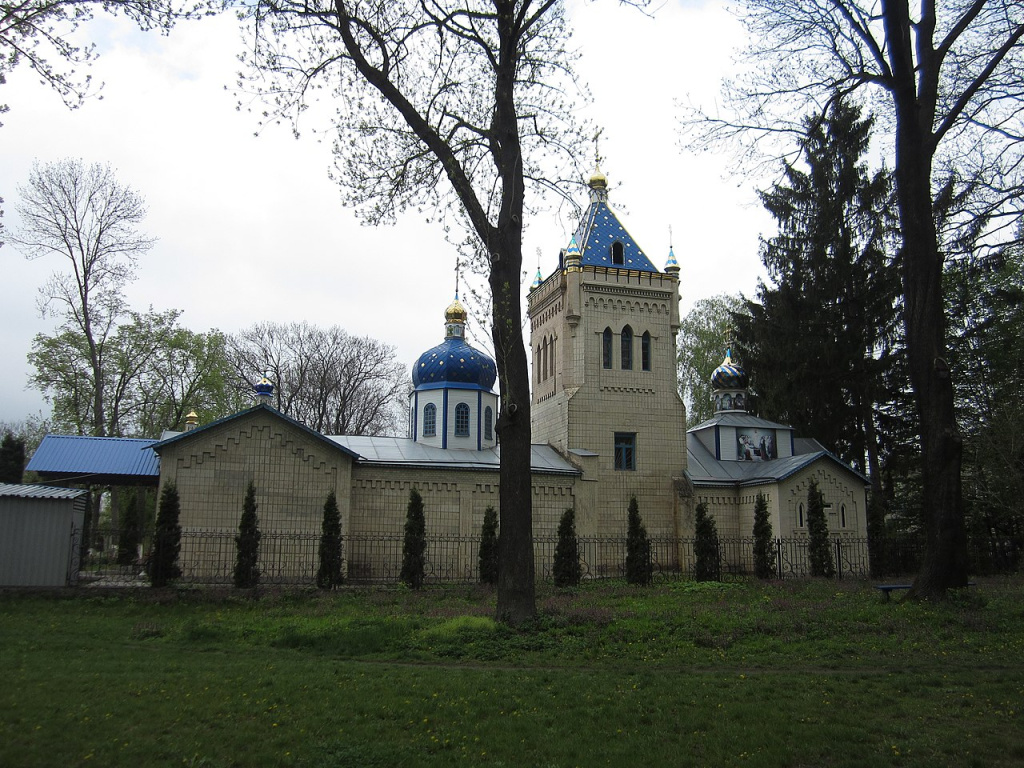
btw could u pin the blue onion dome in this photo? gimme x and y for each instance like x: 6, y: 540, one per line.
x: 453, y: 362
x: 264, y: 387
x: 729, y: 375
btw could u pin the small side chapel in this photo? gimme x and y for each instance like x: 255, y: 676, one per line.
x: 608, y: 424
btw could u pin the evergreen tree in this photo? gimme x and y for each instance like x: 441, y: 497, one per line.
x: 706, y: 554
x: 247, y: 543
x: 12, y: 458
x: 328, y: 575
x: 639, y: 567
x: 163, y: 556
x: 131, y: 531
x: 414, y: 546
x: 489, y: 548
x: 764, y: 551
x: 819, y: 550
x: 567, y: 570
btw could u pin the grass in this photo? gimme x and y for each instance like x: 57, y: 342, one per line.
x: 784, y: 674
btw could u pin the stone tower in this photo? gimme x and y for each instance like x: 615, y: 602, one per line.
x: 603, y: 339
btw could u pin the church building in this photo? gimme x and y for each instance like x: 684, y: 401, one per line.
x: 607, y: 420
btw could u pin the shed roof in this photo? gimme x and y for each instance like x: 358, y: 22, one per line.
x: 19, y: 491
x: 96, y: 460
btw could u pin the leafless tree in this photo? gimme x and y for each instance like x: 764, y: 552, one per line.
x: 330, y: 381
x: 949, y: 80
x: 444, y: 106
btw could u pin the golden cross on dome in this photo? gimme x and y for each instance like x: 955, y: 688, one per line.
x: 597, y: 149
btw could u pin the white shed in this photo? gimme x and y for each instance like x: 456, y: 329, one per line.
x: 40, y: 530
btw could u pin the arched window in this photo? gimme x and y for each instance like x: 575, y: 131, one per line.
x: 618, y: 253
x: 645, y: 351
x: 430, y: 420
x: 606, y: 348
x: 627, y: 348
x: 842, y: 515
x: 488, y: 423
x: 551, y: 355
x: 462, y: 420
x: 800, y: 515
x: 544, y: 359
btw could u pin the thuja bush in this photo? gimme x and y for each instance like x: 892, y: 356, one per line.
x: 819, y: 552
x: 764, y: 551
x: 328, y: 574
x: 567, y: 570
x: 414, y: 545
x: 707, y: 557
x: 639, y: 568
x: 489, y: 548
x: 247, y: 543
x: 131, y: 531
x: 163, y: 555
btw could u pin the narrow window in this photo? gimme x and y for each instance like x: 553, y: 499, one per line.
x: 842, y: 515
x: 627, y: 348
x: 645, y: 351
x: 462, y: 420
x: 625, y: 451
x: 606, y: 348
x: 488, y: 423
x: 800, y: 515
x: 430, y: 420
x: 618, y: 253
x: 551, y: 354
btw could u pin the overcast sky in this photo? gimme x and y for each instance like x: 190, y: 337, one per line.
x: 250, y: 228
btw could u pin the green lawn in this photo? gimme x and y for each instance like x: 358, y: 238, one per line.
x: 784, y: 674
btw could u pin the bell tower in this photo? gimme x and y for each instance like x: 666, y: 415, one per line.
x: 603, y: 331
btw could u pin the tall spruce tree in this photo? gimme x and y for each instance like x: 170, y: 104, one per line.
x: 706, y: 553
x: 328, y: 574
x: 12, y: 458
x: 822, y: 337
x: 247, y: 543
x: 567, y: 569
x: 639, y: 567
x: 414, y: 545
x: 488, y: 559
x: 764, y: 550
x: 819, y: 549
x: 131, y: 531
x: 163, y: 556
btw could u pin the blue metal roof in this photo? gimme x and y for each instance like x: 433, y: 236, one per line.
x: 92, y: 459
x: 598, y: 230
x: 453, y: 361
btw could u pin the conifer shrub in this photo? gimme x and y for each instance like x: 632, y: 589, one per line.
x: 489, y: 548
x: 639, y: 567
x: 819, y: 551
x: 414, y: 545
x: 328, y: 574
x: 877, y: 542
x: 131, y: 531
x: 707, y: 557
x: 163, y: 555
x: 764, y: 550
x: 567, y: 570
x: 247, y: 543
x: 12, y: 458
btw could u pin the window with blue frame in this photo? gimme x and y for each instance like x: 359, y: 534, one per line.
x: 488, y: 423
x: 462, y: 420
x: 430, y: 420
x: 625, y: 451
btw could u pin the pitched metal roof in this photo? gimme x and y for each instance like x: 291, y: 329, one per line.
x: 405, y: 452
x: 20, y: 491
x: 96, y: 459
x: 736, y: 419
x: 598, y: 229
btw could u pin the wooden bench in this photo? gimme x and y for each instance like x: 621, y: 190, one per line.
x: 887, y: 588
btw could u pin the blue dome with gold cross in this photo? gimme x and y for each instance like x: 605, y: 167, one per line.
x: 454, y: 363
x: 729, y: 375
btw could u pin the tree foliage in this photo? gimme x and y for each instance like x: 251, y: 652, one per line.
x: 414, y: 543
x: 948, y: 83
x: 764, y: 546
x: 488, y: 557
x: 567, y: 569
x: 639, y: 566
x: 819, y: 548
x: 131, y: 524
x: 247, y: 543
x: 704, y: 335
x: 163, y: 556
x: 328, y: 574
x: 706, y: 553
x: 12, y: 458
x: 329, y: 380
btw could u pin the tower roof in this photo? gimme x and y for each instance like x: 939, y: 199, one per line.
x: 599, y: 231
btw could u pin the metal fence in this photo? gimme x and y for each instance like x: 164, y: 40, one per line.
x: 208, y: 557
